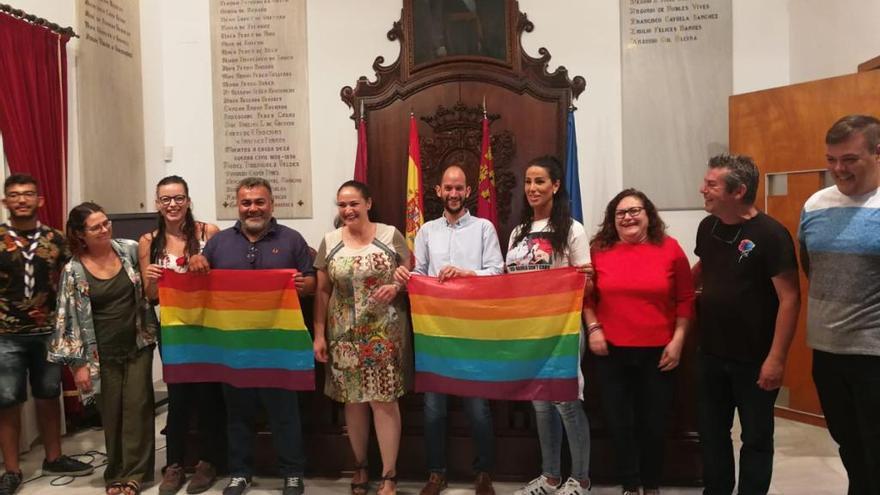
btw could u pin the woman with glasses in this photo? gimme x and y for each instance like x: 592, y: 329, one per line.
x: 174, y: 244
x: 641, y: 304
x: 360, y: 329
x: 547, y: 237
x: 105, y: 330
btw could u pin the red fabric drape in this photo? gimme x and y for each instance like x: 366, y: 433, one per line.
x: 33, y: 109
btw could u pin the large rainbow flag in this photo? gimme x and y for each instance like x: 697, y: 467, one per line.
x: 243, y: 328
x: 512, y: 337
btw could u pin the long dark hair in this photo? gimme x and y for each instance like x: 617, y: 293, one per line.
x: 76, y: 225
x: 607, y: 235
x: 188, y: 229
x: 560, y: 214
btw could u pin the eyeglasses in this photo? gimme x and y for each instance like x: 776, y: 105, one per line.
x: 94, y: 229
x: 178, y: 200
x: 633, y: 212
x: 25, y: 194
x: 251, y: 255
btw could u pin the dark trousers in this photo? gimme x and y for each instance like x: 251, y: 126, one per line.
x: 636, y: 397
x: 849, y: 391
x: 725, y: 386
x: 282, y: 410
x: 205, y: 401
x: 126, y: 406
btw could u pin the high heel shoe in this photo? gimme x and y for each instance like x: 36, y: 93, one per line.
x: 364, y: 486
x: 385, y: 479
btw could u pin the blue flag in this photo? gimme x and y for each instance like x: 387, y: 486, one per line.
x: 572, y: 182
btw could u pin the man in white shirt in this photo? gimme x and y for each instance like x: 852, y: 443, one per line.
x: 456, y: 245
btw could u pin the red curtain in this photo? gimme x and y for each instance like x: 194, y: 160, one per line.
x: 33, y: 109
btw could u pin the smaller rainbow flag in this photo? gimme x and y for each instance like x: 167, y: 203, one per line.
x: 510, y: 337
x: 243, y: 328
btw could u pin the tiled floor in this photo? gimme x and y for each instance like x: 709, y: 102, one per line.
x: 806, y: 462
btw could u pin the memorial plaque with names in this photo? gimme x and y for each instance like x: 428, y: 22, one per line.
x: 677, y: 62
x: 260, y: 90
x: 111, y: 107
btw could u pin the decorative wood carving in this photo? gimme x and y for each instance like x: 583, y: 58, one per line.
x: 457, y: 140
x: 533, y: 100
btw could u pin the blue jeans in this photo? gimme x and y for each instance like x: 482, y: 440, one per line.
x: 282, y: 409
x: 23, y: 359
x: 480, y: 417
x: 550, y: 418
x: 724, y: 386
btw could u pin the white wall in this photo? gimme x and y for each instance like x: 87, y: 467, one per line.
x: 831, y: 38
x: 344, y: 38
x: 776, y: 42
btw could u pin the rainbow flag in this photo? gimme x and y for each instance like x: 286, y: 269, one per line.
x: 245, y: 329
x: 511, y: 337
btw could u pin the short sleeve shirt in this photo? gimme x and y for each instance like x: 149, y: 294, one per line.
x: 737, y: 309
x: 30, y: 316
x: 281, y: 247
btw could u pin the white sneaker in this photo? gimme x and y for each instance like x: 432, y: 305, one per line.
x: 538, y: 486
x: 572, y: 487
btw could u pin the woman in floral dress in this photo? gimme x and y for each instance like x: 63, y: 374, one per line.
x: 360, y: 329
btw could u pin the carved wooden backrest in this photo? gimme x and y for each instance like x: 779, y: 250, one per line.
x: 527, y: 106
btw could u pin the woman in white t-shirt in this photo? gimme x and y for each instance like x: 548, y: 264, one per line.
x: 547, y: 237
x: 175, y: 245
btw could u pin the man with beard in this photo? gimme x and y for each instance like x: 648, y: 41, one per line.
x: 257, y: 242
x: 456, y: 245
x: 30, y: 261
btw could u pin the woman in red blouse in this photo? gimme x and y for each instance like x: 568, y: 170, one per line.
x: 636, y: 322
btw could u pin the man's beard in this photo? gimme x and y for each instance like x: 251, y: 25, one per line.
x: 14, y: 215
x: 251, y: 226
x: 452, y: 210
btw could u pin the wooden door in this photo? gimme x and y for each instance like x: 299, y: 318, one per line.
x: 786, y: 194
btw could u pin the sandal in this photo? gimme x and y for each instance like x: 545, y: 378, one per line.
x: 388, y: 477
x: 114, y: 489
x: 363, y: 487
x: 130, y: 487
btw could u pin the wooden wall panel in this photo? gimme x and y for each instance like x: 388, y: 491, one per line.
x: 783, y: 129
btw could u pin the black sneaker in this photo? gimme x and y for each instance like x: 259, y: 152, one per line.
x: 237, y: 485
x: 9, y: 482
x: 67, y: 466
x: 293, y: 485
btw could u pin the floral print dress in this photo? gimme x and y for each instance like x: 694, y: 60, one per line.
x: 368, y: 342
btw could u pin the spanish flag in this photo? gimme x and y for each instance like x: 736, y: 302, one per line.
x: 242, y: 328
x: 414, y: 202
x: 510, y: 337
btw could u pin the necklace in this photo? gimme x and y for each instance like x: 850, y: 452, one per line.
x: 27, y: 252
x: 731, y: 241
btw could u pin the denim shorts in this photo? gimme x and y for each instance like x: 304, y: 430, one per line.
x: 23, y: 357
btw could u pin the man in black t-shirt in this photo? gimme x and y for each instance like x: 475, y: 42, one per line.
x: 747, y: 315
x: 31, y: 258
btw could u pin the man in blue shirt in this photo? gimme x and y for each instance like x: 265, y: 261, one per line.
x: 257, y: 242
x: 456, y: 245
